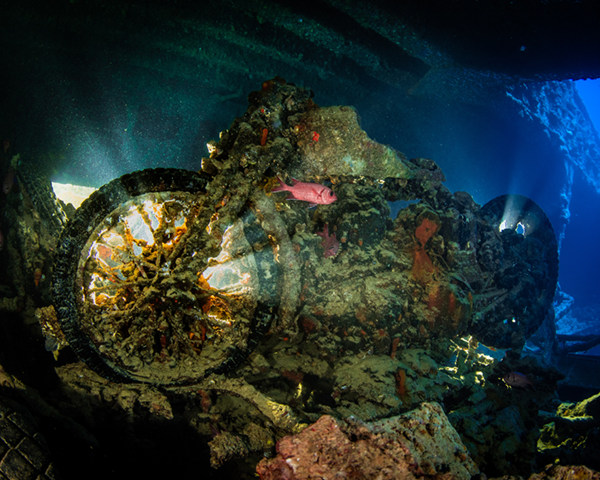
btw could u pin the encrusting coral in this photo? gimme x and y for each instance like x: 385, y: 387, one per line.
x: 418, y: 445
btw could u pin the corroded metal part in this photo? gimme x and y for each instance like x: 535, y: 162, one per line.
x: 518, y: 252
x: 276, y: 228
x: 282, y: 416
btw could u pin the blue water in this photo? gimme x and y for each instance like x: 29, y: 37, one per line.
x: 589, y: 91
x: 580, y: 259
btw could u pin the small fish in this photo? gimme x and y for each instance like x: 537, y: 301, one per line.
x: 516, y: 379
x: 330, y: 243
x: 313, y: 193
x: 9, y: 181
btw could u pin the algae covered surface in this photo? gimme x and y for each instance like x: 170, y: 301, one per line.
x: 209, y: 298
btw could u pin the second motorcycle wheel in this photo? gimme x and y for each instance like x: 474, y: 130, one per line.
x: 518, y: 252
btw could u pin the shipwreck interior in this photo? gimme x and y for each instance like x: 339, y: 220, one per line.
x: 277, y: 239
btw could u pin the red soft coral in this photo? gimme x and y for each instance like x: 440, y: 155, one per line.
x: 330, y: 243
x: 423, y: 268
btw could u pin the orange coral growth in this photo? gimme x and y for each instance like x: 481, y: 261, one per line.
x: 293, y: 375
x: 263, y: 139
x: 451, y: 304
x: 394, y: 347
x: 269, y: 85
x: 401, y: 384
x: 37, y: 276
x: 447, y: 308
x: 361, y: 314
x: 206, y: 402
x: 308, y: 325
x: 423, y: 268
x: 440, y: 300
x: 203, y: 283
x: 425, y: 231
x: 435, y: 301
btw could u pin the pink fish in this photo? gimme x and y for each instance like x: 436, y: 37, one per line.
x: 516, y: 379
x: 330, y: 243
x: 314, y: 193
x: 9, y: 180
